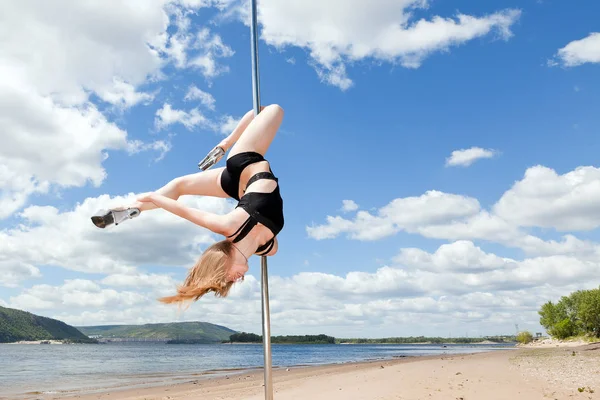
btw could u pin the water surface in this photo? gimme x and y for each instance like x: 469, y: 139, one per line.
x: 86, y: 368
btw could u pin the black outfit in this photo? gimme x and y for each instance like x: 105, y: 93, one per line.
x: 266, y: 208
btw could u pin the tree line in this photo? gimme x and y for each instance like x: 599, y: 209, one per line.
x: 244, y: 337
x: 574, y: 315
x: 433, y: 340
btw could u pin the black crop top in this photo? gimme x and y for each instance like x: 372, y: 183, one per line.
x: 264, y: 208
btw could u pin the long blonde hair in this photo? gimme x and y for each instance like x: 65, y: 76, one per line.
x: 208, y: 274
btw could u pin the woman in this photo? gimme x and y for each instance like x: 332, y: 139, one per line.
x: 251, y: 228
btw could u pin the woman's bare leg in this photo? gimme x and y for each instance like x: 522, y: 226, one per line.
x: 205, y: 183
x: 237, y: 131
x: 260, y: 131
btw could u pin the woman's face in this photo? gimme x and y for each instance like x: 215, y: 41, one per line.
x: 237, y: 272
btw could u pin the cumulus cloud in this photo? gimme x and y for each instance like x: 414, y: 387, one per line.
x: 69, y: 240
x: 73, y: 294
x: 346, y: 32
x: 13, y: 272
x: 167, y: 116
x: 140, y: 280
x: 466, y: 157
x: 88, y: 55
x: 124, y: 95
x: 410, y: 214
x: 349, y: 205
x: 205, y: 98
x: 35, y: 131
x: 227, y: 124
x: 579, y: 52
x: 457, y: 284
x: 459, y: 256
x: 543, y: 198
x: 211, y: 48
x: 47, y: 101
x: 162, y: 146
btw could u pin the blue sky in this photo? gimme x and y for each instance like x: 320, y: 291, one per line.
x: 386, y: 136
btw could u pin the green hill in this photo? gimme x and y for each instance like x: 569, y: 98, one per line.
x: 200, y: 332
x: 17, y: 325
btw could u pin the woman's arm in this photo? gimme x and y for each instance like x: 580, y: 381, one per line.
x: 214, y: 222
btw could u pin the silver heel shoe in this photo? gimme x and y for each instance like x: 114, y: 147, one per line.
x: 104, y: 218
x: 211, y: 159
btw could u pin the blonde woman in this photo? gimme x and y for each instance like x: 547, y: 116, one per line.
x: 251, y: 228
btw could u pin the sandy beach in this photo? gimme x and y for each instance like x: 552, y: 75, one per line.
x: 528, y: 373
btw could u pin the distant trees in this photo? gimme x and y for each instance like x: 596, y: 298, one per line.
x: 573, y: 315
x: 524, y: 337
x: 244, y: 337
x: 433, y: 340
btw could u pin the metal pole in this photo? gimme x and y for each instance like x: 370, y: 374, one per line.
x: 266, y: 322
x: 254, y: 47
x: 266, y: 328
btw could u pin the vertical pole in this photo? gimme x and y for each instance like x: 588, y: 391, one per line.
x: 266, y: 323
x: 266, y: 328
x: 254, y: 48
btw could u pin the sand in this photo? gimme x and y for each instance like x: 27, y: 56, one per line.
x: 524, y: 373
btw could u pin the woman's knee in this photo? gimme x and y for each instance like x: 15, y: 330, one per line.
x: 179, y: 184
x: 275, y: 109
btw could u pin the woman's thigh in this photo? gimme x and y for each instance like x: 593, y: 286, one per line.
x: 260, y: 132
x: 205, y: 183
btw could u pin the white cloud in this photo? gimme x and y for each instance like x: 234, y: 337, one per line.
x: 579, y: 52
x: 410, y: 214
x: 77, y: 51
x: 53, y: 135
x: 200, y: 50
x: 167, y: 116
x: 543, y: 198
x: 69, y: 240
x: 13, y: 272
x: 162, y: 146
x: 35, y: 131
x: 227, y: 124
x: 346, y: 32
x: 211, y: 48
x: 349, y: 206
x: 140, y: 280
x: 459, y: 256
x: 466, y: 157
x: 124, y: 95
x: 457, y: 284
x: 78, y: 293
x: 205, y: 98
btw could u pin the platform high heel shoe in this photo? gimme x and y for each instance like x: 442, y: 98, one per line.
x: 212, y: 158
x: 104, y: 218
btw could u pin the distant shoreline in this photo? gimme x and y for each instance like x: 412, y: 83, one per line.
x: 485, y: 342
x: 37, y: 342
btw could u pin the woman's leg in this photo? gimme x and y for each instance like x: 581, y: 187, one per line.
x: 260, y: 132
x: 205, y: 183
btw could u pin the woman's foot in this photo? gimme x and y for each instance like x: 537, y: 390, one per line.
x: 104, y: 218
